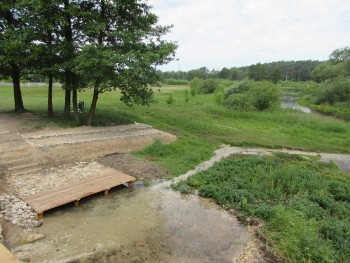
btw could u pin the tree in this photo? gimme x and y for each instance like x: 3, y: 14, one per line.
x: 258, y: 72
x: 124, y: 49
x: 323, y: 72
x: 14, y: 51
x: 44, y: 18
x: 224, y: 73
x: 339, y: 55
x: 201, y: 73
x: 275, y: 75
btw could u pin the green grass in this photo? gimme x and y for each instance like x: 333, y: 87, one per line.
x: 200, y: 124
x: 340, y: 110
x: 305, y: 204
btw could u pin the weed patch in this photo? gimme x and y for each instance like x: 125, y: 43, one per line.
x: 305, y: 203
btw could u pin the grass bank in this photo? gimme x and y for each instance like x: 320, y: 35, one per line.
x: 200, y: 124
x: 305, y: 204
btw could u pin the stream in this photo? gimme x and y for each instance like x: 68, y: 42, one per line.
x: 288, y: 101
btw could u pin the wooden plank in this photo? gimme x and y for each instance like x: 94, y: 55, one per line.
x: 73, y: 192
x: 6, y: 256
x: 121, y: 177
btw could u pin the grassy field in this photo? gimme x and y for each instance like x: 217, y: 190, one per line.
x: 201, y: 125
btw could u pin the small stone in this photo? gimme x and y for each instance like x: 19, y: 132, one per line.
x: 33, y: 237
x: 37, y: 223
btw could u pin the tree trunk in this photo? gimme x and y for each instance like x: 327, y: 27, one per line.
x: 75, y: 99
x: 49, y: 97
x: 17, y: 94
x: 68, y: 88
x: 93, y: 107
x: 68, y: 35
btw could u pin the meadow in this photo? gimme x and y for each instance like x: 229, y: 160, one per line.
x: 200, y: 124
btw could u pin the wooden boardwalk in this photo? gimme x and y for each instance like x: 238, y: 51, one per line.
x: 73, y: 192
x: 6, y: 256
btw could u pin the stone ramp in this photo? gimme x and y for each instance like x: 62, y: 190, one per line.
x: 88, y: 134
x: 73, y: 192
x: 16, y: 155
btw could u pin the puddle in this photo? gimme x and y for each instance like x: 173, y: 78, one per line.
x: 149, y: 224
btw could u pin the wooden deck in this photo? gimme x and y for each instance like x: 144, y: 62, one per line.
x: 6, y: 256
x: 73, y: 192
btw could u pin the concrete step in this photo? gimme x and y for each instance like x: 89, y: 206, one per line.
x: 21, y: 167
x: 27, y: 172
x: 4, y: 150
x: 12, y: 144
x: 18, y: 161
x: 4, y: 139
x: 14, y: 155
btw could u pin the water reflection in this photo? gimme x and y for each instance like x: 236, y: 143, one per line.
x: 289, y: 102
x: 146, y: 225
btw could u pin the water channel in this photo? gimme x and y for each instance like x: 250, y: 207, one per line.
x: 289, y: 102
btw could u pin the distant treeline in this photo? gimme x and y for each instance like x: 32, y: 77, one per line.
x: 274, y: 71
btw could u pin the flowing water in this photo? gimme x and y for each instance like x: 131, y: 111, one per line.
x: 289, y: 102
x: 146, y: 224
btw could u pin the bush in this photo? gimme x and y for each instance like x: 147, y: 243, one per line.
x: 194, y: 86
x: 187, y: 97
x: 170, y: 99
x: 219, y: 94
x: 251, y: 95
x: 333, y: 91
x: 208, y: 86
x: 175, y: 81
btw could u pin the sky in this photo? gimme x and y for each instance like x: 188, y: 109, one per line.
x: 233, y: 33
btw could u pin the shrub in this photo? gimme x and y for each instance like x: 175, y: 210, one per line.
x: 170, y: 99
x: 333, y: 91
x: 194, y: 86
x: 251, y: 95
x: 187, y: 97
x: 219, y: 94
x: 208, y: 86
x: 175, y: 81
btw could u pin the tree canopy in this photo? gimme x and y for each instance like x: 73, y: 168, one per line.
x: 274, y: 71
x: 96, y: 44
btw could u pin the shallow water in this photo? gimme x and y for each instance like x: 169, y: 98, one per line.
x: 289, y: 102
x: 146, y: 224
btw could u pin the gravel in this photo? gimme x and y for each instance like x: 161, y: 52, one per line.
x: 17, y: 212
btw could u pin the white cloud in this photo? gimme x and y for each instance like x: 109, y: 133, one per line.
x: 242, y: 32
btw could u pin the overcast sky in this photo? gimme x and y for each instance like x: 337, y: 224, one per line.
x: 228, y: 33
